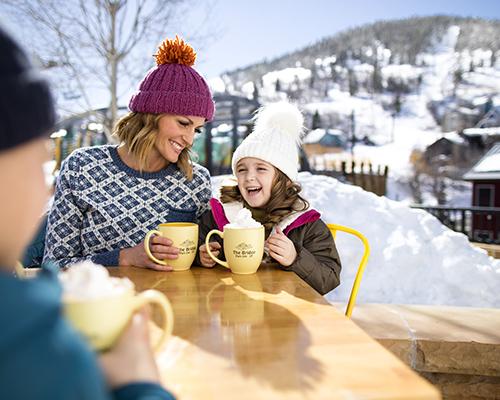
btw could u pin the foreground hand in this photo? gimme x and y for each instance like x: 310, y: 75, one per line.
x: 160, y: 247
x: 281, y: 248
x: 205, y: 259
x: 131, y: 359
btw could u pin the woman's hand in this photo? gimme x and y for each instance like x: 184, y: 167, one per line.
x: 205, y: 259
x: 131, y: 359
x: 281, y: 248
x: 160, y: 247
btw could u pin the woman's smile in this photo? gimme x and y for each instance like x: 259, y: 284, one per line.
x: 177, y: 147
x: 175, y: 133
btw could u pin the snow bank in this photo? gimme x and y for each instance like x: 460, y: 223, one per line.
x: 414, y: 258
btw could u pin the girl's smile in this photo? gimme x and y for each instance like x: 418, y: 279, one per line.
x: 255, y: 180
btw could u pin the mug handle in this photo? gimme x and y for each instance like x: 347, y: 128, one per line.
x: 156, y: 297
x: 207, y: 245
x: 148, y: 251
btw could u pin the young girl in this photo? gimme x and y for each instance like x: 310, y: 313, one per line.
x: 265, y: 165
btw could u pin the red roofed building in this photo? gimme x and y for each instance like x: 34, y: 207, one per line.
x: 485, y: 177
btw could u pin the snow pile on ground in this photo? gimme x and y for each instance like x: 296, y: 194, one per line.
x: 414, y: 258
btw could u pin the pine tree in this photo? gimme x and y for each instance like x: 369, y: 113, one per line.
x: 278, y: 85
x: 316, y: 121
x: 353, y: 83
x: 377, y: 78
x: 255, y: 92
x: 313, y: 76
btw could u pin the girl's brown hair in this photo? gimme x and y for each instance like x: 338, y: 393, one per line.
x: 138, y: 131
x: 284, y: 200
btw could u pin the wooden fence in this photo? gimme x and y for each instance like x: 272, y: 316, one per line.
x: 361, y: 174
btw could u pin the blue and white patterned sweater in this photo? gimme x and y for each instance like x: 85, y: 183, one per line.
x: 102, y: 206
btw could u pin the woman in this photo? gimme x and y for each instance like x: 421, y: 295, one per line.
x: 108, y: 197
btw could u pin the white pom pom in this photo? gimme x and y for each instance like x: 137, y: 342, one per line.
x: 282, y: 115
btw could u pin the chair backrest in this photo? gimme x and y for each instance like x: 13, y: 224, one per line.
x: 354, y: 292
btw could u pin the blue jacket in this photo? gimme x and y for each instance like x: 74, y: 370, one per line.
x: 33, y: 255
x: 41, y: 357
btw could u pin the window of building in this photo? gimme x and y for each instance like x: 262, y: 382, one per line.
x: 484, y: 195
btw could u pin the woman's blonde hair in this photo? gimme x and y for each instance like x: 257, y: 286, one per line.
x: 138, y: 131
x: 284, y: 200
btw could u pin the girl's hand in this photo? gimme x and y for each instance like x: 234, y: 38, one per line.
x: 281, y: 248
x: 131, y: 359
x: 205, y: 260
x: 161, y: 248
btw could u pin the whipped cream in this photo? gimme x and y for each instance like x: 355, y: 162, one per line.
x: 87, y: 281
x: 243, y: 220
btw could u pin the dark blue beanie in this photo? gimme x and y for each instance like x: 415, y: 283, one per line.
x: 26, y: 105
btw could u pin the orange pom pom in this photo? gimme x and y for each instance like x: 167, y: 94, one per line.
x: 175, y: 51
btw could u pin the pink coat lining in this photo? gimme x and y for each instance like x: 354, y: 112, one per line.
x: 221, y: 219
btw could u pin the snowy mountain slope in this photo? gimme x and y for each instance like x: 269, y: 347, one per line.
x: 414, y: 127
x: 414, y: 258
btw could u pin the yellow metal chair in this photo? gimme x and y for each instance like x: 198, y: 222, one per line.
x: 354, y: 292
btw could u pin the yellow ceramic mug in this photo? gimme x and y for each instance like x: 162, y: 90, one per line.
x: 244, y: 249
x: 101, y: 321
x: 185, y: 237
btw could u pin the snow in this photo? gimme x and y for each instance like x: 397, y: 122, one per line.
x: 482, y: 131
x: 287, y: 75
x: 414, y: 258
x: 413, y: 129
x: 492, y: 163
x: 316, y: 135
x: 448, y: 41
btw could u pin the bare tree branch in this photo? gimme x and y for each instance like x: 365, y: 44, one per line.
x: 92, y: 45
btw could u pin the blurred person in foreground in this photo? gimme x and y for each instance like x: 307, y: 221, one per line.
x: 40, y: 356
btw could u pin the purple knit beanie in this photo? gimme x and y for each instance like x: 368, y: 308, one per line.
x: 173, y: 86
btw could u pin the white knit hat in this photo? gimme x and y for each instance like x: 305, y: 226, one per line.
x: 275, y: 139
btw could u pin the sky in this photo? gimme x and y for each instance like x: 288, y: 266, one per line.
x: 247, y: 32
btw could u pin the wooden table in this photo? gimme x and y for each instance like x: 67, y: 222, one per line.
x: 268, y: 336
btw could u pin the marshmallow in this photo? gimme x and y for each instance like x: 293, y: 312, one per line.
x: 244, y: 220
x: 87, y: 281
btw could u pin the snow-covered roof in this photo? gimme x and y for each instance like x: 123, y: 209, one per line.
x: 467, y: 111
x: 314, y: 136
x: 488, y: 167
x: 317, y: 134
x: 454, y: 137
x: 482, y: 131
